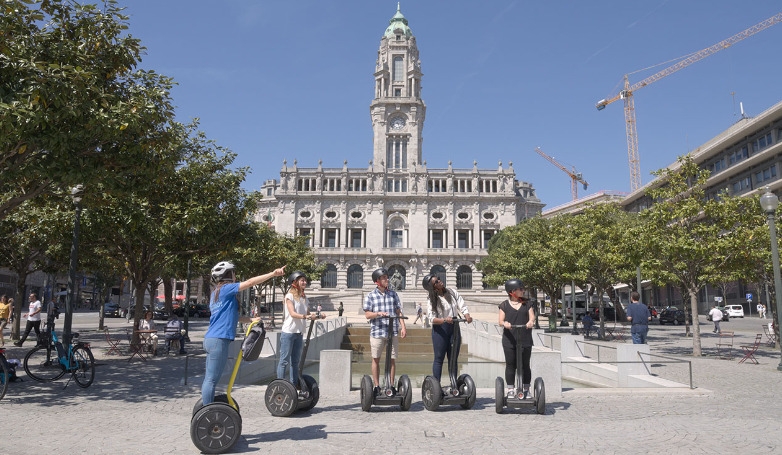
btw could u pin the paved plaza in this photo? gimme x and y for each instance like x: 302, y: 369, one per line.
x: 144, y: 408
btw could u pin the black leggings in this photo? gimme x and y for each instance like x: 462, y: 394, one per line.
x: 31, y: 325
x: 510, y: 364
x: 442, y: 335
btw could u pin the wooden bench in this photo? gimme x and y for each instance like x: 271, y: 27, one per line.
x: 725, y: 345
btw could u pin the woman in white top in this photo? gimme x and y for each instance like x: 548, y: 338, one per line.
x: 442, y: 306
x: 296, y: 310
x: 150, y: 338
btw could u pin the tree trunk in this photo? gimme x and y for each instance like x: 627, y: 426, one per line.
x: 696, y: 328
x: 20, y: 301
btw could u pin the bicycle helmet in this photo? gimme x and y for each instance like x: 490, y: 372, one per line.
x: 220, y: 270
x: 378, y: 273
x: 295, y: 276
x: 427, y: 282
x: 513, y: 284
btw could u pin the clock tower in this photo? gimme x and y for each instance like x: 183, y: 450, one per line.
x: 397, y: 110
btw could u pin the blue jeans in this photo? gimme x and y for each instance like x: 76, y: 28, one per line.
x: 216, y: 357
x: 291, y: 345
x: 640, y: 336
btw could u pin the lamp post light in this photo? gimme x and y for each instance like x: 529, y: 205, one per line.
x: 187, y: 302
x: 769, y: 202
x: 70, y: 298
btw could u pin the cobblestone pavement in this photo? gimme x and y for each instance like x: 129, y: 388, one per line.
x: 144, y: 408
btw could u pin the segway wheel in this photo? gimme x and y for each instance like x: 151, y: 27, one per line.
x: 540, y: 396
x: 215, y: 428
x: 367, y: 393
x: 314, y: 390
x: 282, y: 399
x: 431, y: 393
x: 221, y: 398
x: 467, y: 388
x: 499, y: 395
x: 406, y: 390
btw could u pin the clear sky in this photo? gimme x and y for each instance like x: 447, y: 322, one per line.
x: 292, y: 79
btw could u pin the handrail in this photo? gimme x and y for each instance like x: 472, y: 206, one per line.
x: 594, y: 344
x: 674, y: 359
x: 550, y: 335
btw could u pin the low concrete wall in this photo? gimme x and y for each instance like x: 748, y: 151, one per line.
x: 326, y: 334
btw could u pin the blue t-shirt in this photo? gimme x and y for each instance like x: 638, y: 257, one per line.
x: 639, y: 314
x: 225, y: 313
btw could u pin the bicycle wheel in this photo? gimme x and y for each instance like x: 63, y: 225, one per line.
x: 83, y: 364
x: 41, y: 364
x: 4, y: 377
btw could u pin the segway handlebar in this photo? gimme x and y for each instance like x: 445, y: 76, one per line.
x: 392, y: 317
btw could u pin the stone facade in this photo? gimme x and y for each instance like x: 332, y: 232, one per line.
x: 397, y: 212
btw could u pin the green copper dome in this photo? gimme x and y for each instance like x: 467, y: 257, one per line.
x: 398, y: 22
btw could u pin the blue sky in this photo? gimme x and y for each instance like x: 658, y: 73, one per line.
x: 287, y: 79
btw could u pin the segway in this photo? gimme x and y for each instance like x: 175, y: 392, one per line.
x: 216, y: 427
x: 388, y: 396
x: 538, y: 400
x: 282, y: 397
x: 462, y: 389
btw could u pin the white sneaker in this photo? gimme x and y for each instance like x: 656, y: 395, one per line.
x: 511, y: 393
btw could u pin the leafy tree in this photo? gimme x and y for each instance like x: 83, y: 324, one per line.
x: 681, y: 230
x: 72, y: 108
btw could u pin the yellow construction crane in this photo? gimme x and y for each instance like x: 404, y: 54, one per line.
x: 626, y: 93
x: 574, y: 176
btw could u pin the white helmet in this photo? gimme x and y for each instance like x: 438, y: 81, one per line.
x: 221, y: 269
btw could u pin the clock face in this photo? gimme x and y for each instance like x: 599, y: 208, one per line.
x: 397, y: 123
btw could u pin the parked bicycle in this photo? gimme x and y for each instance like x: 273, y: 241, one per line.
x: 5, y: 375
x: 50, y: 360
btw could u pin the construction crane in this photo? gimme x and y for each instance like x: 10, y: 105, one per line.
x: 574, y: 176
x: 626, y: 93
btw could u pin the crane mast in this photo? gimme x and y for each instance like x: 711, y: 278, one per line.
x: 626, y: 94
x: 575, y: 177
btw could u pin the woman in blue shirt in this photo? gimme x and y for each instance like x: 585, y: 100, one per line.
x: 222, y: 323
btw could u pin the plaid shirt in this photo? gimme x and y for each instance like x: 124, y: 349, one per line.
x: 386, y: 303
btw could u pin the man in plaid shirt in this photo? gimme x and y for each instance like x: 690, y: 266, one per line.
x: 379, y: 303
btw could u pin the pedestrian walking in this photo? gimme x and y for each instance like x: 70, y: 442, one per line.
x: 419, y: 311
x: 33, y: 319
x: 716, y: 317
x: 638, y: 315
x: 5, y: 316
x: 760, y: 310
x: 340, y: 309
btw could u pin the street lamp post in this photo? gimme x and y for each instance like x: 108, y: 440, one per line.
x: 187, y: 302
x: 70, y: 299
x: 769, y: 202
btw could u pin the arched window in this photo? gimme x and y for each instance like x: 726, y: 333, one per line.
x: 397, y: 277
x: 439, y: 271
x: 329, y: 277
x: 464, y: 277
x: 355, y: 276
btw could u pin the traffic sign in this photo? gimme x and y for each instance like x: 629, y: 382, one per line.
x: 749, y: 296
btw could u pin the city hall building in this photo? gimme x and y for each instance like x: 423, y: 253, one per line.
x: 398, y: 212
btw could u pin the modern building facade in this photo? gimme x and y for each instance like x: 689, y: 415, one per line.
x: 397, y: 212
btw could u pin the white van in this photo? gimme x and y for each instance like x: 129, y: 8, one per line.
x: 735, y: 311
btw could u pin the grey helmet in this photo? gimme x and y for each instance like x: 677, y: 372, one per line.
x: 295, y: 276
x: 513, y: 284
x: 378, y: 273
x: 220, y: 270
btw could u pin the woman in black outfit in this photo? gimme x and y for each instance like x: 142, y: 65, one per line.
x: 517, y: 311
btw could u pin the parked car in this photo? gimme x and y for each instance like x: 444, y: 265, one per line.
x: 725, y: 314
x: 179, y: 310
x: 675, y: 316
x: 111, y: 310
x: 202, y: 310
x: 735, y: 311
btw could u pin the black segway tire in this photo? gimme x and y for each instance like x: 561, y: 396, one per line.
x: 367, y: 393
x: 540, y: 396
x: 221, y: 398
x: 467, y: 389
x: 314, y: 393
x: 406, y: 390
x: 282, y: 398
x: 499, y: 395
x: 215, y: 428
x: 431, y: 393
